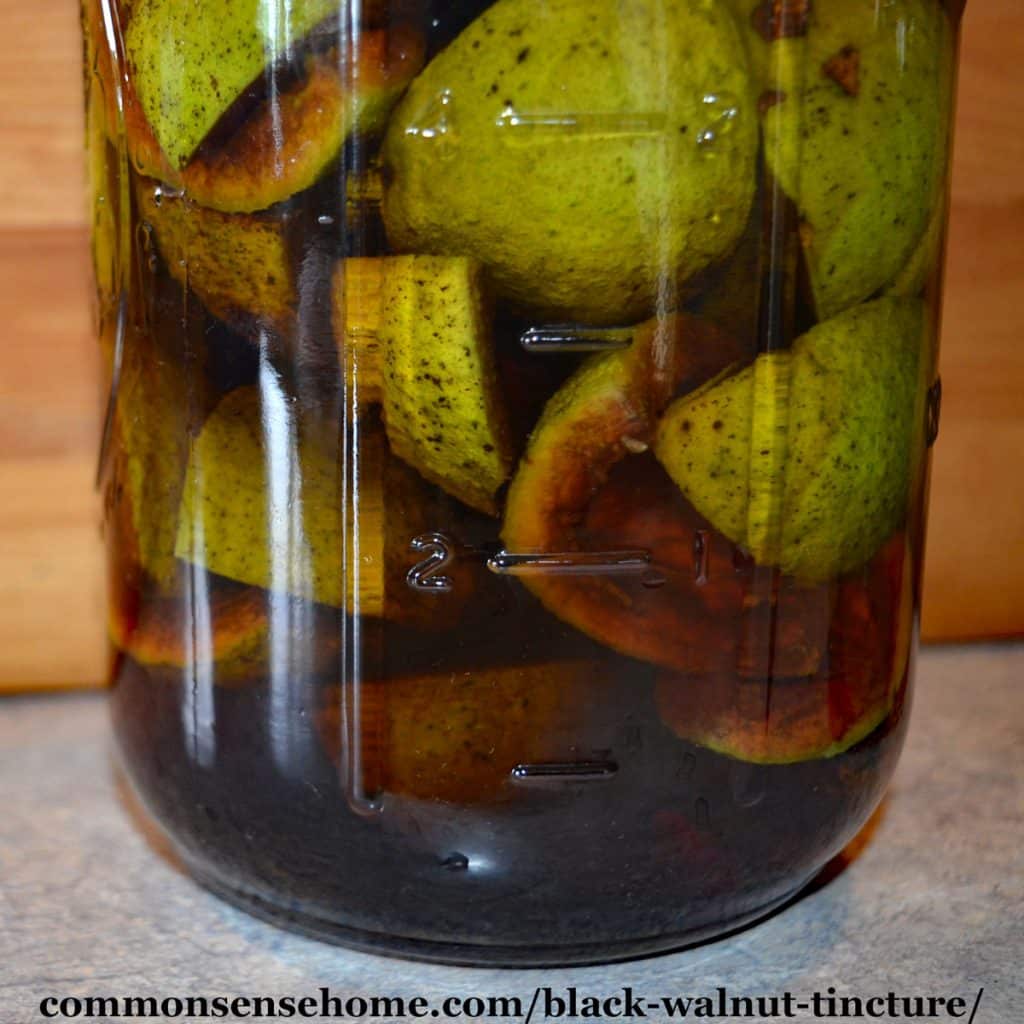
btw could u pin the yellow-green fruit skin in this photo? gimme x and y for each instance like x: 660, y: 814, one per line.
x: 443, y: 407
x: 153, y: 435
x: 262, y: 502
x: 842, y: 467
x: 593, y: 154
x: 237, y: 264
x: 191, y: 59
x: 866, y: 169
x: 913, y: 278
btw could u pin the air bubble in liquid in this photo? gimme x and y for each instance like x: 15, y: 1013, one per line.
x: 436, y: 123
x: 719, y: 112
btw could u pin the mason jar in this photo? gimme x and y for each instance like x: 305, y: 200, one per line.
x: 516, y: 449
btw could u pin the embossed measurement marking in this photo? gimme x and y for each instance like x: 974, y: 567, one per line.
x: 455, y: 862
x: 556, y: 771
x: 591, y: 124
x: 426, y: 575
x: 571, y: 563
x: 702, y: 813
x: 567, y: 338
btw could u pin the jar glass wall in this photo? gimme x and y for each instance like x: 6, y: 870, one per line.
x: 516, y: 451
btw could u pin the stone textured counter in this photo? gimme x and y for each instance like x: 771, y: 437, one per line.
x: 929, y: 899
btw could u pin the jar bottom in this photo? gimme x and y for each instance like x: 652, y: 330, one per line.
x: 636, y: 868
x: 470, y: 954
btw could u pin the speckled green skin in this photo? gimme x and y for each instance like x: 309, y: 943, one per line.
x: 924, y: 260
x: 191, y: 59
x: 237, y: 264
x: 598, y: 216
x: 865, y: 171
x: 442, y: 404
x: 281, y: 531
x: 842, y: 434
x: 153, y: 439
x: 104, y: 184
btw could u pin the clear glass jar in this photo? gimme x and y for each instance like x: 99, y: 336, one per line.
x: 516, y: 451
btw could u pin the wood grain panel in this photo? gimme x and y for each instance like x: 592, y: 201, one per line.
x: 51, y: 587
x: 51, y: 616
x: 974, y: 570
x: 51, y: 600
x: 42, y: 166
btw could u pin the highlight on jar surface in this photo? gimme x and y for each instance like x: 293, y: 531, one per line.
x: 516, y: 451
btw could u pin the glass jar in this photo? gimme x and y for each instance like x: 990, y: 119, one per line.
x: 516, y: 450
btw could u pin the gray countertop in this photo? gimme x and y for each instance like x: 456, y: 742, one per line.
x: 928, y: 900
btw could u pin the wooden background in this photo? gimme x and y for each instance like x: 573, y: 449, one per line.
x: 51, y: 585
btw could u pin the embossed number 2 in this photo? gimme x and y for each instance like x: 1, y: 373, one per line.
x: 426, y: 575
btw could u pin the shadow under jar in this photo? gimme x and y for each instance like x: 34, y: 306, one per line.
x: 517, y: 448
